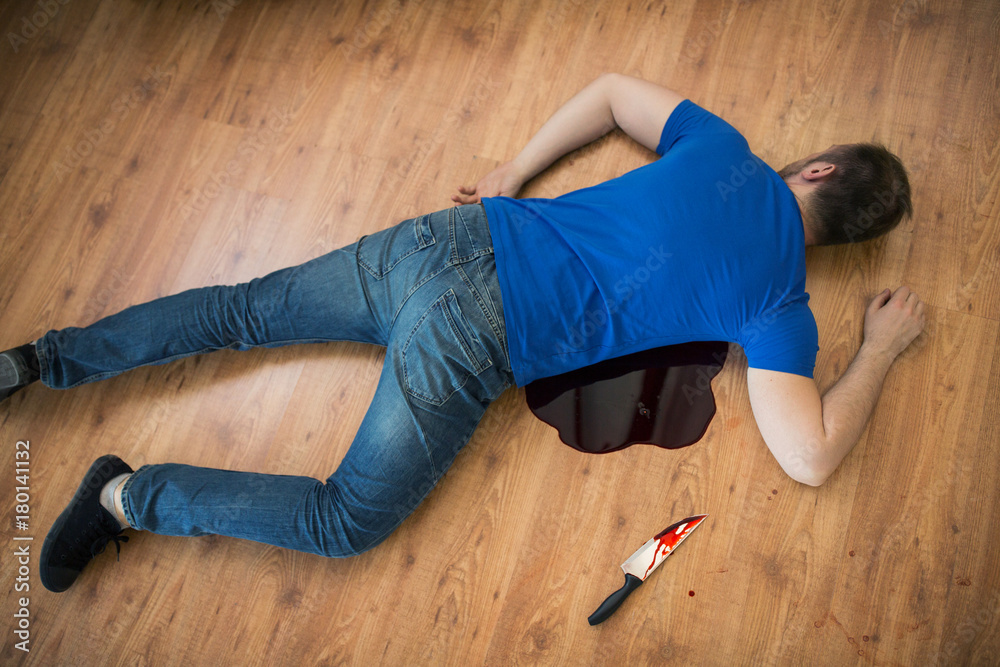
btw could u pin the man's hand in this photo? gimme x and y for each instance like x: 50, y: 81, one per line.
x: 808, y: 435
x: 893, y: 320
x: 638, y: 107
x: 504, y: 181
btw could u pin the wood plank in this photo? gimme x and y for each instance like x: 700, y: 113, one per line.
x: 377, y: 109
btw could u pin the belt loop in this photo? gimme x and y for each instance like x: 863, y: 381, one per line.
x: 453, y: 253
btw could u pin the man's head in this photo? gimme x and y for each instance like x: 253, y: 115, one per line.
x: 850, y: 193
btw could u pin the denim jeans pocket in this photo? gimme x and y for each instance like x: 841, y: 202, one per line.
x: 441, y: 353
x: 380, y: 252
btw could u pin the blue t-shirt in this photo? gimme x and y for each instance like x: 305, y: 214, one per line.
x: 706, y: 243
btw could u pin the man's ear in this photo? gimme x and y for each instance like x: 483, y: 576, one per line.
x: 817, y: 170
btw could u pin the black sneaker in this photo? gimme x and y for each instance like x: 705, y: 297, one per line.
x: 18, y: 369
x: 83, y: 529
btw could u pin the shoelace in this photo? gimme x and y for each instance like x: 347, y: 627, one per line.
x: 102, y: 542
x: 97, y: 536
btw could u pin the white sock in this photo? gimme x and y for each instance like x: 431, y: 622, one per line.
x: 107, y: 499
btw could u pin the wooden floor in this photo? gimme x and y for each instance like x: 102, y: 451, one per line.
x: 150, y: 147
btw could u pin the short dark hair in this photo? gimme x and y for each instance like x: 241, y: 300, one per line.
x: 867, y: 195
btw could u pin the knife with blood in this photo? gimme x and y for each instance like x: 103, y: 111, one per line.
x: 642, y: 563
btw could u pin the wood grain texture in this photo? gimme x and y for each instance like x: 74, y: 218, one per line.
x: 146, y: 148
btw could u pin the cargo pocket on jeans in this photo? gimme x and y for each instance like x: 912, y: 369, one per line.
x: 441, y: 352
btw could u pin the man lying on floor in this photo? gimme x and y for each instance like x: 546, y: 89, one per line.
x: 491, y: 293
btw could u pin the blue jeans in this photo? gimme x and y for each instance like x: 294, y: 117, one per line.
x: 425, y: 289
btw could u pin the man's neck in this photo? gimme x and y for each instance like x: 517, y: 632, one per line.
x: 801, y: 192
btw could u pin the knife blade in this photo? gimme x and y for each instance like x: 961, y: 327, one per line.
x: 646, y: 559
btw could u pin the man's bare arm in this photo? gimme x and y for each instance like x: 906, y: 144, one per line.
x: 810, y: 436
x: 639, y: 107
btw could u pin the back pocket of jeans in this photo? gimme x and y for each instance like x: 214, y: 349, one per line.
x: 382, y: 251
x: 441, y: 352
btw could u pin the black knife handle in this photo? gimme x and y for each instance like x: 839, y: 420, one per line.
x: 615, y: 600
